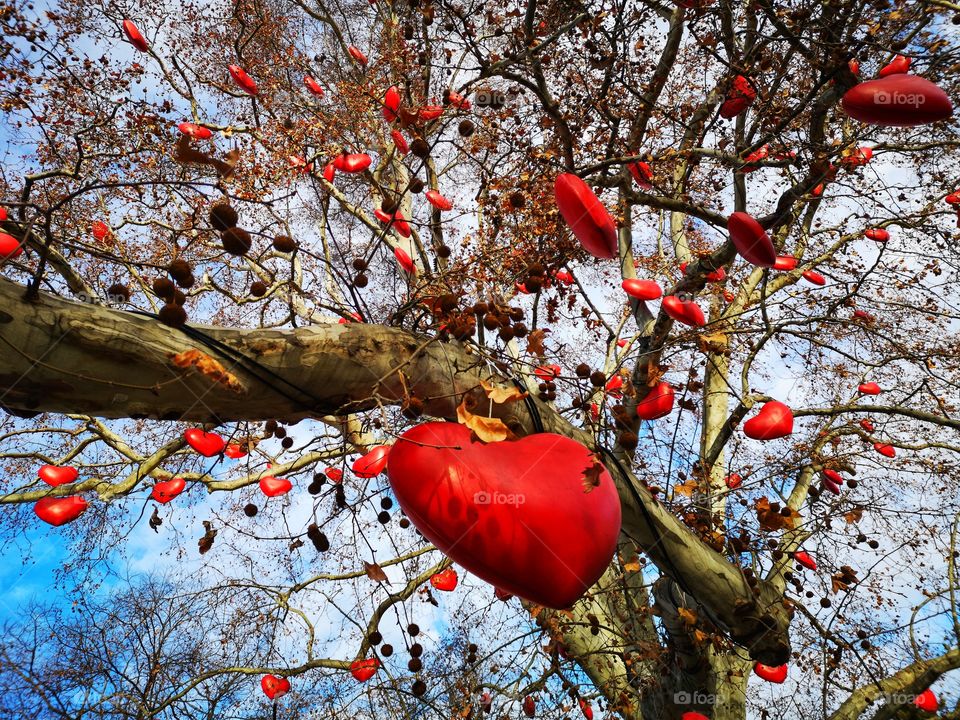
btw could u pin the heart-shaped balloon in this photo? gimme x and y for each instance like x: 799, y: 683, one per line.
x: 585, y: 709
x: 404, y: 261
x: 235, y: 451
x: 830, y: 484
x: 642, y: 174
x: 445, y: 580
x: 373, y: 463
x: 547, y: 373
x: 274, y: 687
x: 134, y: 36
x: 693, y: 716
x: 803, y: 557
x: 10, y: 247
x: 197, y: 132
x: 733, y: 481
x: 750, y: 240
x: 657, y: 403
x: 641, y: 289
x: 587, y: 217
x: 926, y: 701
x: 814, y: 277
x: 785, y: 263
x: 869, y: 388
x: 537, y: 517
x: 363, y: 670
x: 59, y: 511
x: 771, y: 674
x: 775, y: 420
x: 313, y: 86
x: 274, y: 486
x: 885, y: 450
x: 867, y: 425
x: 740, y: 96
x: 54, y: 475
x: 876, y: 234
x: 897, y: 100
x: 400, y: 142
x: 684, y: 311
x: 898, y: 65
x: 335, y: 475
x: 529, y: 706
x: 167, y: 490
x: 352, y: 162
x: 438, y: 200
x: 207, y: 444
x: 243, y: 81
x: 391, y: 104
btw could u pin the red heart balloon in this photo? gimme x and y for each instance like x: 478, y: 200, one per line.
x: 750, y: 240
x: 134, y: 36
x: 53, y: 475
x: 587, y: 217
x: 313, y: 86
x: 870, y: 388
x: 885, y: 450
x: 642, y: 174
x: 521, y: 515
x: 684, y: 311
x: 404, y: 261
x: 335, y: 474
x: 897, y: 100
x: 775, y: 420
x: 243, y: 81
x: 197, y: 132
x: 274, y: 687
x: 829, y: 484
x: 834, y: 476
x: 547, y: 373
x: 391, y: 104
x: 274, y: 486
x: 771, y: 674
x: 356, y: 54
x: 429, y: 112
x: 804, y: 559
x: 59, y: 511
x: 373, y: 463
x: 739, y: 98
x: 563, y: 276
x: 657, y: 403
x: 585, y: 709
x: 207, y: 444
x: 363, y: 670
x: 352, y: 162
x: 234, y: 451
x: 926, y: 701
x: 641, y: 289
x: 785, y: 263
x: 167, y: 490
x: 877, y: 234
x: 613, y: 385
x: 529, y: 706
x: 445, y: 580
x: 814, y: 277
x: 898, y: 65
x: 400, y: 142
x: 867, y: 425
x: 733, y: 481
x: 438, y: 200
x: 329, y: 172
x: 10, y: 247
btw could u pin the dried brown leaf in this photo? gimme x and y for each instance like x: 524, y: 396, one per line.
x: 502, y: 393
x: 485, y: 428
x: 375, y: 572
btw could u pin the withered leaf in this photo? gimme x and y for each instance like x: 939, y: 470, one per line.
x: 535, y: 341
x: 486, y: 429
x: 689, y: 617
x: 298, y: 543
x: 591, y: 476
x: 184, y: 152
x: 772, y: 520
x: 375, y: 572
x: 206, y: 542
x: 843, y: 579
x: 502, y: 393
x: 155, y: 521
x: 686, y: 489
x: 852, y: 516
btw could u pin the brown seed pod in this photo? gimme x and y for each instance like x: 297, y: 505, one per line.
x: 236, y: 241
x: 491, y: 321
x: 223, y: 217
x: 119, y: 292
x: 443, y: 251
x: 466, y: 128
x: 178, y: 297
x: 284, y: 244
x: 361, y: 281
x: 389, y: 205
x: 517, y: 200
x: 597, y: 378
x: 180, y: 270
x: 258, y: 288
x: 420, y: 148
x: 172, y: 315
x: 163, y: 288
x: 359, y: 264
x: 416, y: 185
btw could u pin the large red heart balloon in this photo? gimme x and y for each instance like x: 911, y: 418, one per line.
x: 235, y: 451
x: 524, y: 515
x: 642, y: 174
x: 134, y: 35
x: 352, y: 162
x: 205, y: 443
x: 59, y: 511
x: 243, y: 81
x: 641, y: 289
x: 693, y: 716
x: 885, y: 450
x: 587, y: 217
x: 751, y: 242
x: 785, y: 263
x: 313, y: 86
x: 803, y: 557
x: 775, y: 420
x: 898, y: 65
x: 771, y: 674
x: 391, y: 103
x: 53, y: 475
x: 10, y: 247
x: 167, y: 490
x: 445, y: 580
x: 685, y: 311
x: 363, y: 670
x: 438, y: 200
x: 897, y: 100
x: 373, y: 463
x: 869, y: 388
x: 274, y: 486
x: 274, y: 687
x: 657, y: 403
x: 926, y: 701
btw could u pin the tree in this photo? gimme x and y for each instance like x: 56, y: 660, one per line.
x: 208, y: 241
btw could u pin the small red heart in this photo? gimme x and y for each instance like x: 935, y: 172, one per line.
x: 897, y: 66
x: 10, y: 247
x: 641, y: 289
x: 775, y: 420
x: 429, y: 112
x: 870, y: 388
x: 401, y: 144
x: 404, y: 261
x: 59, y: 511
x: 274, y: 687
x: 771, y: 674
x: 438, y: 200
x: 685, y: 311
x: 197, y: 132
x: 329, y: 172
x: 547, y: 373
x: 585, y: 709
x: 867, y: 425
x: 693, y: 716
x: 733, y: 481
x: 785, y: 263
x: 750, y: 240
x: 54, y: 475
x: 313, y: 86
x: 134, y: 35
x: 833, y: 476
x: 363, y: 670
x: 587, y: 217
x: 207, y: 444
x: 814, y: 277
x: 167, y: 490
x: 274, y: 486
x: 804, y: 559
x: 391, y: 104
x: 926, y: 701
x: 373, y: 463
x: 885, y: 450
x: 445, y: 580
x: 235, y: 451
x: 529, y: 706
x: 335, y: 475
x: 830, y: 485
x: 657, y: 403
x: 243, y: 81
x: 613, y: 385
x: 357, y: 54
x: 352, y: 162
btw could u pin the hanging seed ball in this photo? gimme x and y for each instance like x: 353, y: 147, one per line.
x: 472, y: 648
x: 416, y: 186
x: 359, y: 264
x: 279, y: 432
x: 466, y: 128
x: 404, y: 523
x: 178, y: 298
x: 408, y: 32
x: 375, y: 638
x: 284, y: 244
x: 119, y: 292
x: 597, y: 378
x: 583, y: 370
x: 389, y: 205
x: 505, y: 333
x: 249, y: 509
x: 180, y: 271
x: 223, y: 217
x: 386, y: 650
x: 416, y: 650
x: 413, y: 629
x: 258, y: 288
x: 172, y: 315
x: 314, y: 488
x: 516, y: 314
x: 383, y: 517
x: 236, y: 241
x: 361, y: 280
x: 415, y: 665
x: 517, y: 200
x: 443, y: 251
x: 420, y: 148
x: 287, y: 443
x: 519, y: 330
x: 163, y: 288
x: 825, y: 602
x: 270, y: 425
x: 491, y: 321
x: 288, y: 123
x: 386, y: 503
x: 419, y: 688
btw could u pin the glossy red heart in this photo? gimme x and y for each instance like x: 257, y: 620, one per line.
x: 641, y: 289
x: 335, y: 475
x: 926, y: 701
x: 274, y: 687
x: 771, y: 674
x: 516, y: 514
x: 750, y: 240
x: 404, y: 261
x: 243, y: 81
x: 274, y: 486
x: 684, y: 311
x: 352, y: 162
x: 54, y: 475
x: 897, y: 100
x: 828, y: 483
x: 814, y: 277
x: 429, y: 112
x: 329, y: 172
x: 313, y: 86
x: 613, y: 385
x: 803, y: 557
x: 134, y: 36
x: 235, y: 451
x: 693, y: 716
x: 885, y: 450
x: 438, y: 200
x: 867, y: 425
x: 834, y: 476
x: 585, y: 709
x: 898, y: 65
x: 740, y: 96
x: 869, y: 388
x: 99, y: 230
x: 207, y: 444
x: 445, y: 580
x: 59, y: 511
x: 565, y: 277
x: 357, y: 54
x: 877, y: 234
x: 657, y: 403
x: 400, y: 142
x: 785, y: 263
x: 10, y: 247
x: 391, y: 103
x: 363, y: 670
x: 529, y: 706
x: 587, y: 217
x: 775, y: 420
x: 860, y: 156
x: 197, y: 132
x: 167, y: 490
x: 373, y: 463
x: 733, y: 481
x: 642, y: 174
